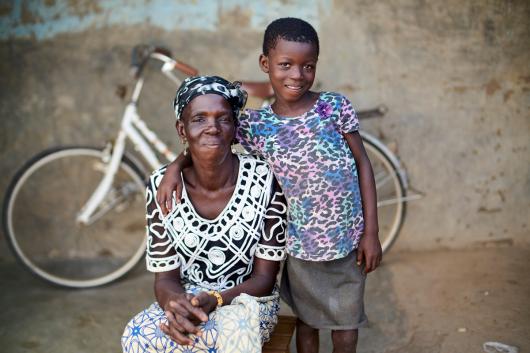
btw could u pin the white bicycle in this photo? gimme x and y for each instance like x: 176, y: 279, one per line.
x: 75, y: 215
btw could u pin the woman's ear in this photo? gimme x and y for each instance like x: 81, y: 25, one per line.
x: 264, y: 63
x: 179, y: 125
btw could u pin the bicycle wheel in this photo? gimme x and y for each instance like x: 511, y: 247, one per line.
x: 391, y: 190
x: 40, y: 210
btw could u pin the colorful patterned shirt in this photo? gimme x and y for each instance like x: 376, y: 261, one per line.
x: 316, y: 170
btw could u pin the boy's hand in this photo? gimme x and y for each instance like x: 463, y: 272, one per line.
x: 369, y: 252
x: 172, y: 181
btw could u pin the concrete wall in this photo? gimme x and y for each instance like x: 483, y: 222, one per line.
x: 455, y: 76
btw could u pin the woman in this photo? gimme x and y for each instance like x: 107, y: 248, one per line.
x: 217, y: 254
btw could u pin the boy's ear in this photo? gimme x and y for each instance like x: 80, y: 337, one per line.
x: 264, y: 63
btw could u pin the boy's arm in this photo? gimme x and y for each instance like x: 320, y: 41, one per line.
x: 369, y: 249
x: 172, y: 181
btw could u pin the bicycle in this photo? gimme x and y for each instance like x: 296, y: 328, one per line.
x: 89, y: 205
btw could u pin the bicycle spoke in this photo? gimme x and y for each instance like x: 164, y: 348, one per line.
x: 380, y: 182
x: 389, y: 202
x: 42, y: 227
x: 114, y: 199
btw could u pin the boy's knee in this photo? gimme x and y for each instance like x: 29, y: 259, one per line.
x: 344, y: 340
x: 305, y: 328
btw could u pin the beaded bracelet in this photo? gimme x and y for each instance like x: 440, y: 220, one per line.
x: 217, y: 296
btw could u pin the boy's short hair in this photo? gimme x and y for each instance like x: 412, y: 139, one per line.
x: 291, y: 29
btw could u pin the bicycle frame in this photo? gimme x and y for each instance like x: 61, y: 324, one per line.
x: 143, y: 139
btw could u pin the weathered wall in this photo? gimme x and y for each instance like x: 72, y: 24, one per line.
x: 454, y: 74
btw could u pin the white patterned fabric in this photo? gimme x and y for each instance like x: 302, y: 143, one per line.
x: 218, y: 254
x: 243, y: 326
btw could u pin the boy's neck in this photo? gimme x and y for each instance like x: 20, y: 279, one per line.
x: 295, y: 108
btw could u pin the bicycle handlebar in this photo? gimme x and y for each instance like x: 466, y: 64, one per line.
x: 142, y: 53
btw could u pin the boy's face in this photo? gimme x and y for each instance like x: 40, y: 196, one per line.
x: 291, y: 67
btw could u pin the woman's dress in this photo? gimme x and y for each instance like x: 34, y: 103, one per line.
x: 215, y: 254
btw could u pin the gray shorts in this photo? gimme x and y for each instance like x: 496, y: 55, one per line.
x: 327, y: 294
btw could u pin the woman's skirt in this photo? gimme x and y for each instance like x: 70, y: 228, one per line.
x: 242, y: 326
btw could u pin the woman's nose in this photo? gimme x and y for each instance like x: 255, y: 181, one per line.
x: 213, y: 126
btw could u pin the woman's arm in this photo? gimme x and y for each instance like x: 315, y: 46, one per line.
x: 182, y: 316
x: 369, y: 249
x: 172, y: 181
x: 260, y: 283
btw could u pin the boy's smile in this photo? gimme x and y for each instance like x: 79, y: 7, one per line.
x: 291, y: 67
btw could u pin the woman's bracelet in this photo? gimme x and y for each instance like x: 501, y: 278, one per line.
x: 217, y: 296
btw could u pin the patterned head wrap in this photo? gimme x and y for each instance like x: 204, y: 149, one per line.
x: 199, y: 85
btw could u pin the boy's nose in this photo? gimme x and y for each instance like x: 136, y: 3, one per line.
x: 296, y: 72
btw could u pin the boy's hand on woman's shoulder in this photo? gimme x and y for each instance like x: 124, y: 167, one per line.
x: 369, y: 251
x: 171, y: 182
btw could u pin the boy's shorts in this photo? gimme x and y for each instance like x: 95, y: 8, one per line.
x: 327, y: 294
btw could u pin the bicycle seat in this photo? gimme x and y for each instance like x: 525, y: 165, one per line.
x: 262, y: 90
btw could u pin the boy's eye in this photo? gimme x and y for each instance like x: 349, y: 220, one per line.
x: 285, y: 65
x: 309, y: 67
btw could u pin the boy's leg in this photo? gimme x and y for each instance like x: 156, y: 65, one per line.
x: 344, y: 341
x: 306, y: 338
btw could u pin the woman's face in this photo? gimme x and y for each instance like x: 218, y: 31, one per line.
x: 208, y: 125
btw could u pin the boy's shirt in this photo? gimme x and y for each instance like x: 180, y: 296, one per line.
x: 316, y: 170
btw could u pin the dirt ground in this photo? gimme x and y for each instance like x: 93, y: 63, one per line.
x: 418, y: 302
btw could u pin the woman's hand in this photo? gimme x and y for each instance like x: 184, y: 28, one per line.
x: 204, y: 301
x: 183, y: 318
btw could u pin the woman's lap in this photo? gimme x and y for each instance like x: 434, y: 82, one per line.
x: 225, y: 326
x: 143, y: 334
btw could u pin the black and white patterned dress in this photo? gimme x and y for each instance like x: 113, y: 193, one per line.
x: 215, y: 254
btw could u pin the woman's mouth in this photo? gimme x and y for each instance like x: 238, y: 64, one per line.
x: 213, y: 143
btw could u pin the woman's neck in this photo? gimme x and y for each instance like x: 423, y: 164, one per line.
x: 213, y: 174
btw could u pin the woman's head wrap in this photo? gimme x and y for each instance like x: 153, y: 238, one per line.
x: 199, y: 85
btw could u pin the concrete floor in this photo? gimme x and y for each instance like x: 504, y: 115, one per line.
x: 428, y: 302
